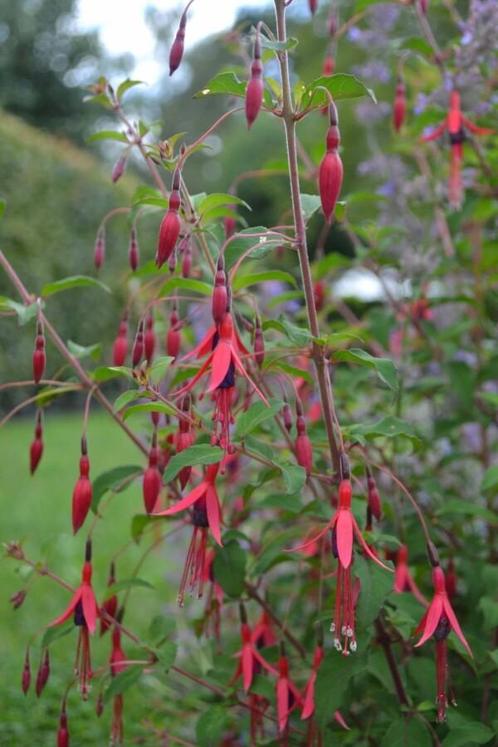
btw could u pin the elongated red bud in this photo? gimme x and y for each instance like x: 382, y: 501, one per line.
x: 176, y: 51
x: 36, y: 448
x: 110, y: 605
x: 173, y: 338
x: 43, y: 674
x: 82, y: 493
x: 399, y: 107
x: 120, y: 347
x: 17, y: 599
x: 133, y: 250
x: 287, y: 416
x: 331, y: 171
x: 259, y: 344
x: 424, y: 6
x: 230, y: 224
x: 185, y: 250
x: 39, y: 355
x: 313, y: 5
x: 99, y: 249
x: 63, y: 731
x: 328, y: 66
x: 149, y: 339
x: 118, y: 169
x: 255, y: 86
x: 26, y: 673
x: 138, y: 346
x: 319, y: 294
x: 152, y: 482
x: 304, y: 451
x: 373, y: 497
x: 220, y: 293
x: 169, y: 229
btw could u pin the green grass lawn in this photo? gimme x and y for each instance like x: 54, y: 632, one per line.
x: 37, y: 512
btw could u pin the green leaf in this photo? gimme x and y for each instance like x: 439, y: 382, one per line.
x: 340, y: 86
x: 260, y: 247
x: 144, y: 195
x: 293, y: 475
x: 148, y: 407
x: 161, y: 627
x: 107, y: 135
x: 277, y: 46
x: 229, y: 568
x: 126, y: 397
x: 417, y: 44
x: 106, y: 373
x: 188, y: 284
x: 389, y: 427
x: 158, y: 369
x: 459, y: 507
x: 122, y: 682
x: 3, y: 206
x: 59, y: 631
x: 376, y: 584
x: 310, y: 204
x: 24, y: 313
x: 198, y: 454
x: 299, y: 336
x: 81, y: 351
x: 76, y: 281
x: 490, y: 478
x: 127, y: 583
x: 384, y: 367
x: 139, y: 523
x: 253, y: 417
x: 217, y: 199
x: 167, y: 655
x: 407, y: 733
x: 465, y: 735
x: 116, y: 479
x: 210, y: 725
x: 126, y: 85
x: 332, y: 682
x: 244, y: 281
x: 228, y: 83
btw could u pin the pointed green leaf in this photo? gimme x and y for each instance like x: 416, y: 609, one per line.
x: 76, y: 281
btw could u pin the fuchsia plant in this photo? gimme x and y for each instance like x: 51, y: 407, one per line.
x: 221, y: 428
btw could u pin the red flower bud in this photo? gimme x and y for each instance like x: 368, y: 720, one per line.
x: 63, y: 732
x: 26, y: 673
x: 173, y: 338
x: 43, y: 674
x: 230, y: 224
x: 118, y: 169
x: 120, y: 347
x: 138, y: 346
x: 304, y: 452
x: 82, y: 494
x: 259, y: 344
x: 331, y: 172
x: 110, y: 605
x: 18, y: 598
x: 169, y: 229
x: 328, y: 66
x: 176, y: 51
x: 36, y: 448
x: 424, y: 5
x: 149, y: 339
x: 319, y: 294
x: 99, y: 249
x: 39, y: 356
x: 220, y: 293
x: 399, y: 108
x: 255, y: 87
x: 152, y: 482
x: 133, y: 251
x: 287, y: 416
x: 373, y: 497
x: 313, y: 4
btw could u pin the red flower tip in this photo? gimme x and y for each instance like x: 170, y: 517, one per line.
x: 99, y: 249
x: 43, y: 674
x: 313, y: 5
x: 118, y: 169
x: 39, y: 355
x: 138, y: 346
x: 345, y: 494
x: 219, y: 303
x: 26, y: 673
x: 120, y: 347
x: 169, y: 230
x: 176, y: 51
x: 82, y: 495
x: 133, y: 251
x: 36, y: 448
x: 63, y: 732
x: 255, y: 87
x: 330, y: 177
x: 304, y: 451
x: 149, y: 339
x: 399, y: 108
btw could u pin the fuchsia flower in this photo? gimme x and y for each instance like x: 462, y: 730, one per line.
x: 36, y: 448
x: 82, y: 493
x: 344, y: 528
x: 309, y: 690
x: 403, y: 579
x: 83, y: 606
x: 439, y: 621
x: 117, y: 664
x: 249, y: 657
x: 456, y: 124
x: 288, y: 696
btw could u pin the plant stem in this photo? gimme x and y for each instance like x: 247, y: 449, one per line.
x: 321, y: 364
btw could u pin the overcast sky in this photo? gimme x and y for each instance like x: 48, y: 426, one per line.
x: 122, y: 26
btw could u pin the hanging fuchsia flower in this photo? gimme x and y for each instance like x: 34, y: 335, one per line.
x: 399, y: 106
x: 110, y: 605
x: 250, y: 660
x: 456, y: 124
x: 83, y: 606
x: 26, y: 673
x: 43, y: 673
x: 39, y: 357
x: 204, y: 498
x: 152, y: 481
x: 288, y: 696
x: 439, y: 621
x: 169, y: 230
x: 403, y: 579
x: 117, y: 664
x: 255, y: 87
x: 330, y: 173
x: 120, y: 346
x: 263, y: 633
x: 344, y: 528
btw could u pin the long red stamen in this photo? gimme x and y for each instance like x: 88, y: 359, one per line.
x: 343, y: 625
